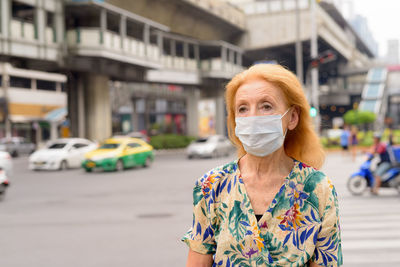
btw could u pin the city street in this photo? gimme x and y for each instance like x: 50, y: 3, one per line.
x: 136, y: 218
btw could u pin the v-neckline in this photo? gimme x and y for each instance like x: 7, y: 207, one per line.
x: 274, y: 201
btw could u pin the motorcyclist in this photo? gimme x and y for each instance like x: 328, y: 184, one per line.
x: 384, y: 164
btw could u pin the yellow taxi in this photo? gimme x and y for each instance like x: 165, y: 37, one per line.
x: 117, y: 154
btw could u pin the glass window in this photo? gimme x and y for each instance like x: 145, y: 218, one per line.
x: 20, y: 82
x: 46, y: 85
x: 79, y: 145
x: 23, y: 12
x: 57, y: 146
x: 133, y: 145
x: 109, y: 146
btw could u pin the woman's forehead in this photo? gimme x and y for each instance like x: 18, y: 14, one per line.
x: 259, y: 88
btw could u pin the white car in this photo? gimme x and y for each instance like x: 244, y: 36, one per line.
x: 5, y: 171
x: 6, y: 163
x: 3, y: 183
x: 61, y: 154
x: 212, y: 146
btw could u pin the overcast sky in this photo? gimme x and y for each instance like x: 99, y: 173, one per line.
x: 383, y: 18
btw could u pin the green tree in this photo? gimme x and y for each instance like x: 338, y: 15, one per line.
x: 356, y: 117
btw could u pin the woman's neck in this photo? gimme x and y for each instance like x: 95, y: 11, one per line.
x: 277, y: 164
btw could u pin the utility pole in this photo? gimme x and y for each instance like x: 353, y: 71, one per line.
x: 299, y: 48
x: 314, y: 69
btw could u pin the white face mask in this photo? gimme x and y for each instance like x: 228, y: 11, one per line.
x: 260, y: 135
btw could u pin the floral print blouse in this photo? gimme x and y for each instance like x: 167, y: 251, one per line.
x: 300, y: 225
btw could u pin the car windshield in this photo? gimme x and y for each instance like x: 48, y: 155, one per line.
x: 109, y: 146
x: 57, y: 146
x: 201, y: 140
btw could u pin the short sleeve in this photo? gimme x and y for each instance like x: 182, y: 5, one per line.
x: 200, y: 237
x: 328, y: 250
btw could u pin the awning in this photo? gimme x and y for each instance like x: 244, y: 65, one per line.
x: 56, y: 115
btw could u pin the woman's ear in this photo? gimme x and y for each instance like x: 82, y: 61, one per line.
x: 294, y: 117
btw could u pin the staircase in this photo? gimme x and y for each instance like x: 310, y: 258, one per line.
x: 374, y: 95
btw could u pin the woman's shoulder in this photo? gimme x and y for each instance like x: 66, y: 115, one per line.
x: 317, y: 186
x: 217, y: 175
x: 313, y: 179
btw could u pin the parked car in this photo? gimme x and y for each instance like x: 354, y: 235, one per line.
x: 5, y: 171
x: 16, y: 146
x: 212, y: 146
x: 61, y: 154
x: 117, y: 154
x: 6, y: 162
x: 4, y: 183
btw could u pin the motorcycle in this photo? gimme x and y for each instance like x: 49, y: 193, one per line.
x: 364, y: 178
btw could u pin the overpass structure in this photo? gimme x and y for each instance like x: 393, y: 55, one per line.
x: 193, y: 45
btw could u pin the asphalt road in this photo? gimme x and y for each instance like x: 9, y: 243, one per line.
x: 136, y: 217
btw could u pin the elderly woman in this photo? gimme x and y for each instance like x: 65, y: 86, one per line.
x: 270, y: 207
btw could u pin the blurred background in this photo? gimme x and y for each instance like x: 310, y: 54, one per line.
x: 109, y: 111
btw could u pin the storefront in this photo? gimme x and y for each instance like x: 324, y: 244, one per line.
x: 154, y: 108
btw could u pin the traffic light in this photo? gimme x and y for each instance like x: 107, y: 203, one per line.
x: 313, y: 112
x: 323, y: 58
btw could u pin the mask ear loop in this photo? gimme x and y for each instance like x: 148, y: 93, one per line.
x: 284, y: 136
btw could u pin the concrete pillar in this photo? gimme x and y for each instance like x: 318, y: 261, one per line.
x: 40, y: 23
x: 5, y: 18
x: 220, y: 118
x: 231, y: 56
x: 192, y: 114
x: 122, y: 30
x: 186, y: 53
x: 103, y: 24
x: 239, y: 59
x: 53, y: 130
x: 80, y: 102
x: 5, y: 84
x: 223, y: 56
x: 197, y: 54
x: 160, y: 42
x: 33, y: 85
x: 134, y: 117
x: 173, y: 48
x: 59, y: 21
x: 146, y: 38
x: 98, y: 107
x: 38, y: 130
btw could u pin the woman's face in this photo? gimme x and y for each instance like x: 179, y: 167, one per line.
x: 258, y: 97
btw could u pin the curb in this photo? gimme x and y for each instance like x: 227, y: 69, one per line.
x: 177, y: 151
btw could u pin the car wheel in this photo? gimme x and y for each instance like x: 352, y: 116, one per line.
x: 88, y: 170
x: 63, y: 165
x: 119, y: 166
x: 148, y: 162
x: 190, y: 156
x: 14, y: 154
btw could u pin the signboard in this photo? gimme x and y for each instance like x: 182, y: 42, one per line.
x: 207, y: 114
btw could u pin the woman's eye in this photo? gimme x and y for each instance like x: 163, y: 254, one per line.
x: 266, y: 107
x: 242, y: 109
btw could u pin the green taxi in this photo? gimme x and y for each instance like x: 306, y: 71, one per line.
x: 117, y: 154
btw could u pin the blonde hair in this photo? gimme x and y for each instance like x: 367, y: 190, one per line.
x: 301, y: 143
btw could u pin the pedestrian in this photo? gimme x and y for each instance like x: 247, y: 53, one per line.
x: 391, y: 137
x: 354, y: 142
x: 344, y: 139
x: 384, y: 164
x: 269, y: 207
